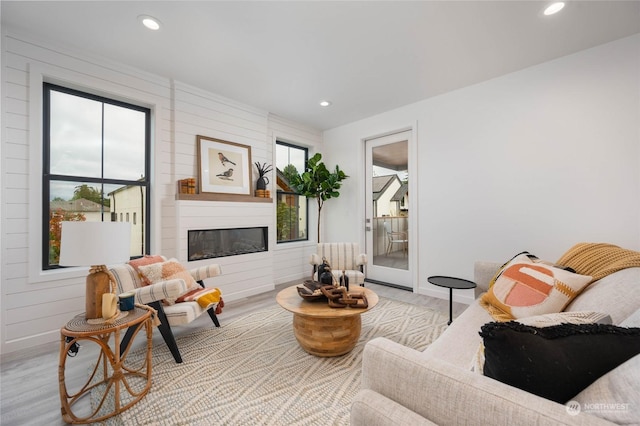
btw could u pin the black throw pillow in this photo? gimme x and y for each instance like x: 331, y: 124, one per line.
x: 555, y: 362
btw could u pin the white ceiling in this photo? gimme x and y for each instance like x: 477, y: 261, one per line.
x: 366, y: 57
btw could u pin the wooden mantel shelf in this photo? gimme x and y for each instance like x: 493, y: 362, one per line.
x: 223, y: 197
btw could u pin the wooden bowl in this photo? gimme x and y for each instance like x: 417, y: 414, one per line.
x: 307, y: 294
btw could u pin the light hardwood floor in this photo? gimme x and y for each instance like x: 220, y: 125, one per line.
x: 29, y: 380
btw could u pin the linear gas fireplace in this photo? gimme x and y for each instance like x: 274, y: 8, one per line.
x: 210, y: 243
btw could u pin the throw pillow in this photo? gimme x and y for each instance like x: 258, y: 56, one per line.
x: 171, y: 269
x: 526, y: 286
x: 555, y: 362
x: 142, y: 261
x: 547, y: 320
x: 579, y: 317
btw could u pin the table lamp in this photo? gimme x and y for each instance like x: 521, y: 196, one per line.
x: 95, y: 244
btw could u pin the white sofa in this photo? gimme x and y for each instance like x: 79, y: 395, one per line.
x: 402, y: 386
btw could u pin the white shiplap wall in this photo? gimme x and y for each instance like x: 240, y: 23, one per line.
x: 199, y: 113
x: 35, y: 304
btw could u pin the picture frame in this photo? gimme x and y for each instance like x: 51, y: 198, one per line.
x: 223, y: 167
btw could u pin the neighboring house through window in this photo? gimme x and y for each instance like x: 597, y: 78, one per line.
x: 292, y: 217
x: 96, y: 165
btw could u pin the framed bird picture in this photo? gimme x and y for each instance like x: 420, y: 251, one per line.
x: 224, y: 167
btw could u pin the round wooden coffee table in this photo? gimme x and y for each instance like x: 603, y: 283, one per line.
x: 322, y: 330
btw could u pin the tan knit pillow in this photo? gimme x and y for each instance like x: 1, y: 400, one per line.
x: 169, y: 270
x: 142, y: 261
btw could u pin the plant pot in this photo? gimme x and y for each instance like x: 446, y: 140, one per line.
x: 262, y: 182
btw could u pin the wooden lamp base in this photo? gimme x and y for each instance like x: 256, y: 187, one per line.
x: 97, y: 284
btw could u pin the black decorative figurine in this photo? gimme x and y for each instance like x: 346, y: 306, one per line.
x: 324, y: 272
x: 344, y: 280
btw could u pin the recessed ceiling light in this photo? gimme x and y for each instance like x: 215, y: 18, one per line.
x: 554, y: 8
x: 325, y: 103
x: 149, y: 22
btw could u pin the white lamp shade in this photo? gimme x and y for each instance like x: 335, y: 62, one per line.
x: 94, y: 243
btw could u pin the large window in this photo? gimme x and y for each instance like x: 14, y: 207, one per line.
x: 95, y: 166
x: 291, y: 207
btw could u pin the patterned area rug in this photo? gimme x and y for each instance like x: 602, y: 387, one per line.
x: 251, y: 371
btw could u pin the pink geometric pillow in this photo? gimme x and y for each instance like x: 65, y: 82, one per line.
x: 526, y: 287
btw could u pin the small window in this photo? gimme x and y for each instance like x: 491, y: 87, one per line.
x: 292, y: 211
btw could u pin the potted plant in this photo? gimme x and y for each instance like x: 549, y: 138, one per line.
x: 318, y: 182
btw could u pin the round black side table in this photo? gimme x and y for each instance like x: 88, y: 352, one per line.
x: 451, y: 283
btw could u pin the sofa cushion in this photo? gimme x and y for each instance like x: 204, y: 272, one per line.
x: 171, y: 269
x: 616, y: 294
x: 632, y: 320
x: 526, y: 286
x: 555, y: 362
x: 614, y: 396
x: 459, y: 342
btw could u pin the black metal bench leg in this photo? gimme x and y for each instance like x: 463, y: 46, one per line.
x: 165, y: 330
x: 210, y: 311
x: 214, y: 318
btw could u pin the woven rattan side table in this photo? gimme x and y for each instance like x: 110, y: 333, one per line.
x: 116, y: 386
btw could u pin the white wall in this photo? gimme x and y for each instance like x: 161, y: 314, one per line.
x: 35, y: 304
x: 536, y: 160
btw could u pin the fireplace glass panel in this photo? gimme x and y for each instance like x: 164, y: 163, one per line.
x: 211, y: 243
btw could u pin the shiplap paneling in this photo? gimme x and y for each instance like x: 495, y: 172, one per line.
x: 36, y: 310
x: 33, y: 312
x: 201, y: 113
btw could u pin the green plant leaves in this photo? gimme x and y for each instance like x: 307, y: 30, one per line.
x: 318, y: 182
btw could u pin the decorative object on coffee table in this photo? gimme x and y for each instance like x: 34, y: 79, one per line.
x: 344, y: 280
x: 311, y: 290
x: 325, y: 276
x: 339, y: 297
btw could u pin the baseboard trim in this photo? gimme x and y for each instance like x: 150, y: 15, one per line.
x: 460, y: 296
x: 398, y: 286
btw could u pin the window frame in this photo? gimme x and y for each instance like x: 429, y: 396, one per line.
x: 279, y: 192
x: 47, y: 177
